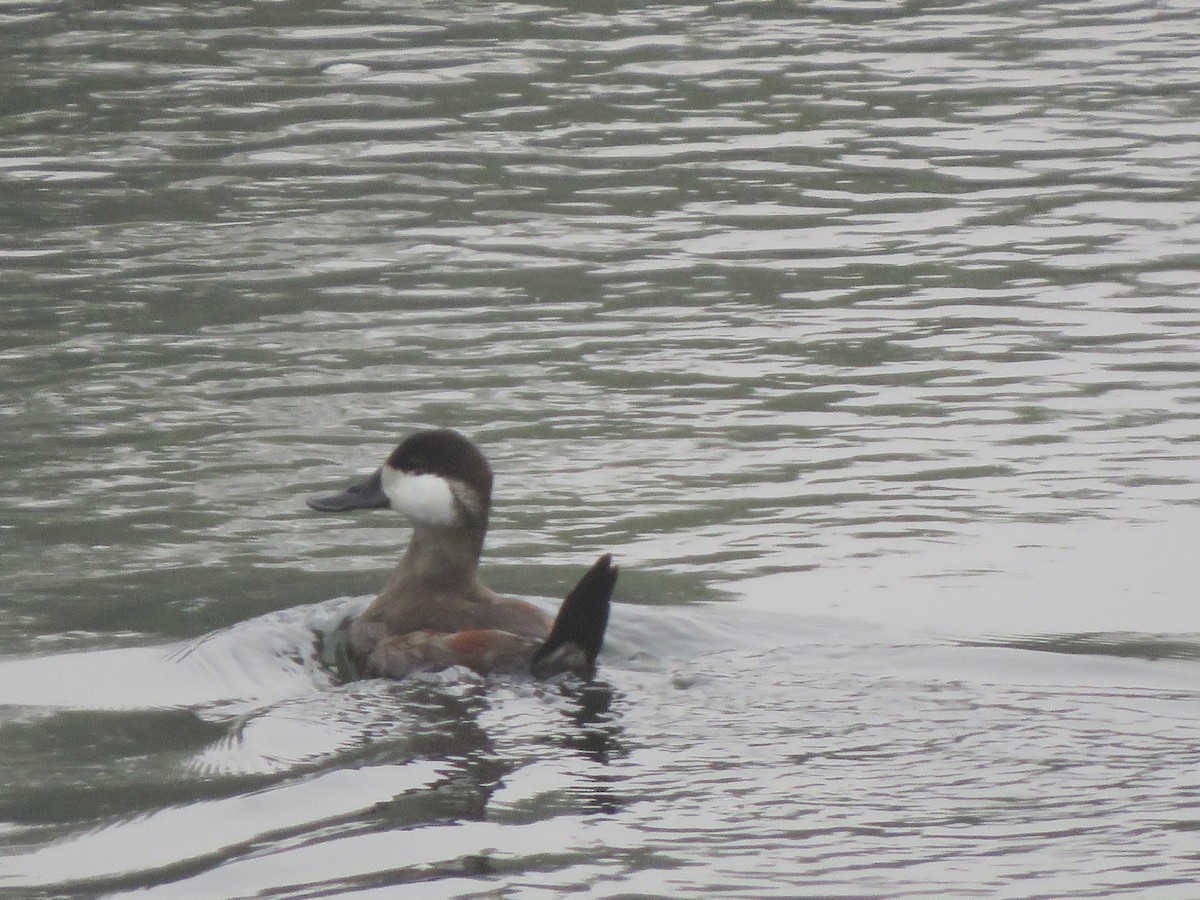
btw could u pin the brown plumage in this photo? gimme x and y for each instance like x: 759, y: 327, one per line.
x: 433, y: 611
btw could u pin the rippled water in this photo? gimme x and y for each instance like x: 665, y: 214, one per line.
x: 864, y: 334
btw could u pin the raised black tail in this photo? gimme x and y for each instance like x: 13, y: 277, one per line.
x: 578, y: 631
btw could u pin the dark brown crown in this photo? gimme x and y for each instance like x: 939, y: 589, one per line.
x: 446, y: 453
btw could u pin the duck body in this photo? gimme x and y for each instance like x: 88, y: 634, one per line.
x: 433, y: 611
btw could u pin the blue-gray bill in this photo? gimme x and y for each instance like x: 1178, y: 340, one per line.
x: 365, y: 494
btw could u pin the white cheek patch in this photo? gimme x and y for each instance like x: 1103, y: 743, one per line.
x: 425, y: 499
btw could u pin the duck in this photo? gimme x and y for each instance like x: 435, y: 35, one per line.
x: 433, y: 612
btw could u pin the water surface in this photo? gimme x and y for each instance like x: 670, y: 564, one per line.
x: 864, y: 334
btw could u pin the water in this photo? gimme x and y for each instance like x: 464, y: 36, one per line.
x: 864, y: 334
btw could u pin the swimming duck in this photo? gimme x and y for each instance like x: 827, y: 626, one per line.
x: 433, y: 611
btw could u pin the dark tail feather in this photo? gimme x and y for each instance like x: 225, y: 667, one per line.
x: 578, y: 632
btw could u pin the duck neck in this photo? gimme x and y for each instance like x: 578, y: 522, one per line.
x: 440, y: 558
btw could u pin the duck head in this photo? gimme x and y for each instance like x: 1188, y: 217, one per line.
x: 439, y: 478
x: 435, y: 478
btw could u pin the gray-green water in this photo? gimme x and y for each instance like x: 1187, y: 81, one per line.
x: 865, y: 334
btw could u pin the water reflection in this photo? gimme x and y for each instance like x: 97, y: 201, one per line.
x: 841, y: 312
